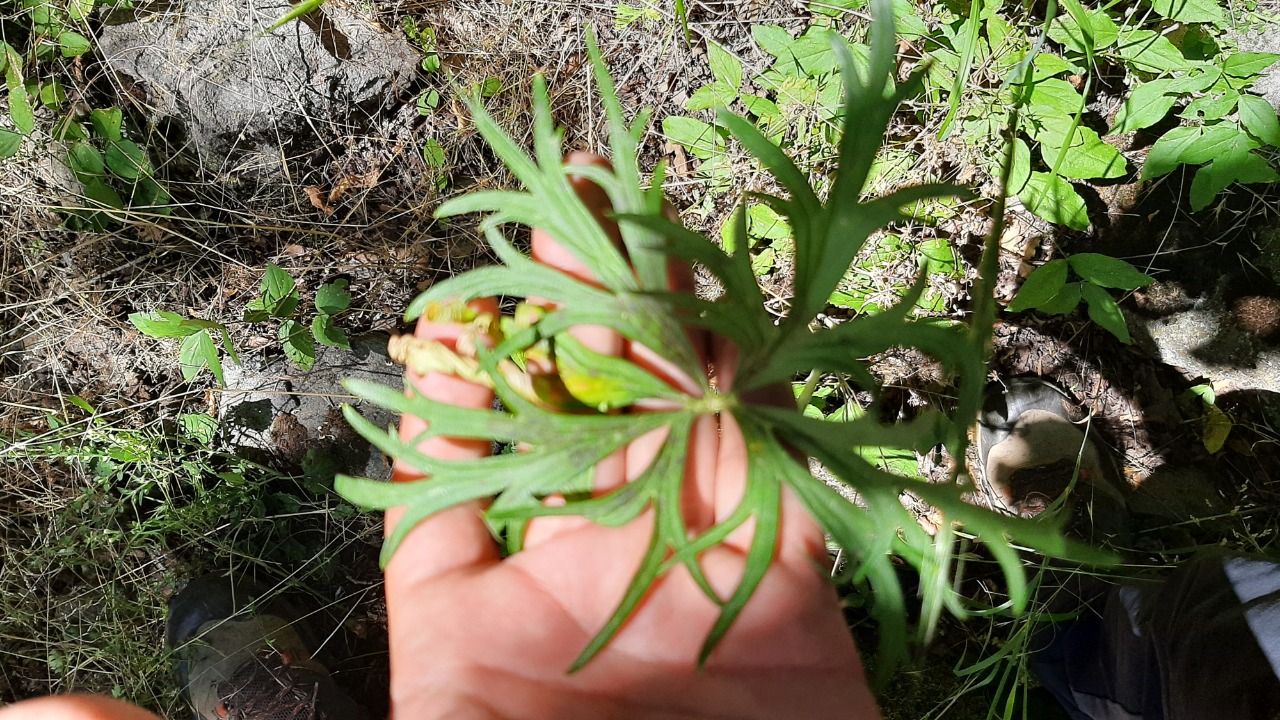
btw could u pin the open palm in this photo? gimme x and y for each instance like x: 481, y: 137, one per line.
x: 474, y: 635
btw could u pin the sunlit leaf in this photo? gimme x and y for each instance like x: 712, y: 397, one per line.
x: 1108, y: 272
x: 1259, y: 118
x: 562, y: 442
x: 1054, y: 199
x: 297, y: 343
x: 1040, y: 286
x: 1104, y: 310
x: 197, y: 353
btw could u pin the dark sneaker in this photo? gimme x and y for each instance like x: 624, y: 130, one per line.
x: 239, y: 659
x: 1032, y: 453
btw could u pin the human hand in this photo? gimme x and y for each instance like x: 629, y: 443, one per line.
x: 478, y: 637
x: 474, y: 635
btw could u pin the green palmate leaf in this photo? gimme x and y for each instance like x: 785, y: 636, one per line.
x: 279, y: 296
x: 772, y: 39
x: 1021, y: 167
x: 1236, y: 165
x: 199, y: 427
x: 1040, y: 286
x: 85, y: 161
x: 126, y: 159
x: 100, y: 195
x: 1199, y: 79
x: 19, y: 102
x: 564, y: 435
x: 698, y: 137
x: 762, y: 108
x: 1216, y: 141
x: 326, y: 332
x: 1193, y: 146
x: 1259, y: 118
x: 1046, y: 65
x: 433, y: 154
x: 20, y: 110
x: 1212, y: 107
x: 724, y: 67
x: 162, y: 324
x: 297, y: 344
x: 1052, y: 198
x: 1087, y: 158
x: 1104, y: 311
x: 810, y: 55
x: 1055, y: 94
x: 333, y: 298
x: 52, y: 94
x: 73, y: 44
x: 715, y: 95
x: 79, y: 10
x: 1064, y: 301
x: 107, y: 123
x: 1108, y: 272
x: 1165, y: 153
x: 1097, y: 31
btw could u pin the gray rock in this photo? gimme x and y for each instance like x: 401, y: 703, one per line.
x: 1205, y: 341
x: 242, y: 95
x: 278, y: 411
x: 1267, y: 41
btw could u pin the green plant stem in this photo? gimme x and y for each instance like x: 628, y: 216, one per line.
x: 1071, y: 131
x: 806, y: 392
x: 972, y: 30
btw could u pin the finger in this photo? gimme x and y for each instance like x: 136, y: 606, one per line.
x: 698, y: 489
x: 610, y: 472
x: 74, y: 707
x: 457, y: 537
x: 798, y: 535
x: 546, y: 250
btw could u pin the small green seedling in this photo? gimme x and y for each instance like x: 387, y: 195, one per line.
x: 114, y: 172
x: 1215, y: 425
x: 425, y: 38
x: 279, y: 301
x: 625, y: 15
x: 1046, y: 289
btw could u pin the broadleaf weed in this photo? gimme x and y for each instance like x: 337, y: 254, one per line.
x: 278, y: 301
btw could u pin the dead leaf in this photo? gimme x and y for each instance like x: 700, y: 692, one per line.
x: 679, y: 162
x: 317, y: 199
x: 348, y: 181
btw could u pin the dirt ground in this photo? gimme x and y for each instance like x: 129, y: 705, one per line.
x: 65, y: 297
